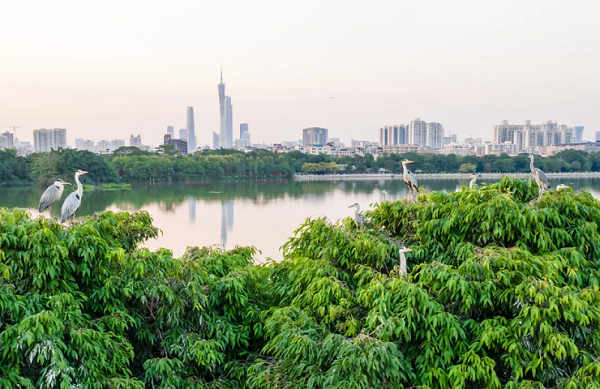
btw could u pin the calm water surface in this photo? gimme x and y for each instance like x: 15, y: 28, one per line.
x: 263, y: 214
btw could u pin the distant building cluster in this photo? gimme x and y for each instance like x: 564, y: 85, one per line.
x: 416, y: 133
x: 529, y: 137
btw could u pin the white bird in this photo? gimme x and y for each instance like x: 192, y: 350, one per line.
x: 358, y: 217
x: 73, y: 201
x: 562, y: 186
x: 409, y: 177
x: 51, y: 194
x: 403, y: 271
x: 384, y: 192
x: 539, y: 176
x: 473, y: 181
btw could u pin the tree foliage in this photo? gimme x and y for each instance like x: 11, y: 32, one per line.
x: 501, y: 292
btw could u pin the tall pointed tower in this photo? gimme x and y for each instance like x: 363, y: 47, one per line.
x: 223, y: 139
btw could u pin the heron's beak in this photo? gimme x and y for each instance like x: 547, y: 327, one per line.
x: 83, y: 172
x: 409, y: 161
x: 407, y: 250
x: 66, y: 183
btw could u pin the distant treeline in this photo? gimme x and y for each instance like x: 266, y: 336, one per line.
x: 132, y: 164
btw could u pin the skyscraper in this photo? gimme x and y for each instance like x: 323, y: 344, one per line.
x: 244, y: 131
x: 229, y: 120
x: 79, y: 144
x: 578, y: 137
x: 435, y: 135
x: 215, y: 140
x: 394, y: 135
x: 222, y: 115
x: 183, y: 134
x: 313, y: 136
x: 191, y: 131
x: 44, y: 140
x: 135, y: 140
x: 171, y: 131
x: 10, y: 143
x: 418, y: 133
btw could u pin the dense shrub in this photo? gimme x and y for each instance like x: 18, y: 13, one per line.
x: 502, y: 292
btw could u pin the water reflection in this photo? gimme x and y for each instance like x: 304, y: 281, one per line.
x: 267, y: 213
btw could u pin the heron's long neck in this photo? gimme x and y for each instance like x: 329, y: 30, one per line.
x: 79, y: 187
x: 357, y: 209
x: 404, y: 167
x: 531, y: 164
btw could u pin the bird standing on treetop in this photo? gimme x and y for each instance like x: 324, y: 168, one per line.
x: 473, y: 180
x: 384, y: 192
x: 409, y: 177
x: 539, y: 176
x: 73, y: 201
x: 358, y: 217
x: 562, y: 186
x: 403, y: 271
x: 51, y: 194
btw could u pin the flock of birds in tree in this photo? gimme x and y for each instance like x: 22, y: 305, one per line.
x: 413, y: 187
x: 54, y: 192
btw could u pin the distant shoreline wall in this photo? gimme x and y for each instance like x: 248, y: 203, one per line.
x: 436, y: 176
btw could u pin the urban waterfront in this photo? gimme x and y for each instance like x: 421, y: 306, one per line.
x: 245, y: 212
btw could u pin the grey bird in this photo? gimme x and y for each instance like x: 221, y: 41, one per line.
x: 539, y: 176
x: 409, y: 178
x: 403, y: 271
x: 52, y: 194
x: 358, y: 217
x: 73, y: 201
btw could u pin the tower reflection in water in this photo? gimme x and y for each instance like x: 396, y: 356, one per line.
x: 226, y: 220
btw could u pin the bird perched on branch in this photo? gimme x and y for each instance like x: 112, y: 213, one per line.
x: 409, y: 178
x: 73, y: 201
x: 403, y: 271
x: 358, y: 217
x: 539, y: 176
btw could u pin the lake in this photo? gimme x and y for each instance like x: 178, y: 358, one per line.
x: 229, y: 213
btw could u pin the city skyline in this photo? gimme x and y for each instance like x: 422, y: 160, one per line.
x: 379, y: 62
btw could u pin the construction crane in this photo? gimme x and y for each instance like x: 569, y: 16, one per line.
x: 14, y: 129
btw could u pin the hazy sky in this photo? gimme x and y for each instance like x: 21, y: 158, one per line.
x: 106, y: 69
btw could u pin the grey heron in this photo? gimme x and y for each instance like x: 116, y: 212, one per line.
x: 384, y: 193
x: 403, y: 271
x: 52, y: 194
x: 409, y: 177
x: 73, y: 201
x: 473, y: 181
x: 358, y: 217
x: 539, y: 176
x: 562, y: 186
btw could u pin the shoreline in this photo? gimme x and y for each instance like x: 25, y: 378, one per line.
x: 436, y: 176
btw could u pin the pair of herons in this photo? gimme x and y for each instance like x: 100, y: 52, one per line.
x: 54, y: 192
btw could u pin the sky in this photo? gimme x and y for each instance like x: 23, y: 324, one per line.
x: 108, y: 69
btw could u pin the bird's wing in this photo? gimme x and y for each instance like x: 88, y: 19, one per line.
x: 70, y: 205
x: 49, y: 196
x: 413, y: 180
x: 543, y: 178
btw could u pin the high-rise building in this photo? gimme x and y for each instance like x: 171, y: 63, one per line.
x: 597, y: 136
x: 171, y: 131
x: 451, y: 138
x: 116, y: 143
x: 3, y: 142
x: 394, y: 135
x: 314, y: 136
x: 215, y: 141
x: 223, y: 140
x: 88, y: 145
x: 79, y: 143
x: 180, y: 144
x: 135, y: 140
x: 229, y: 120
x: 244, y: 130
x: 183, y: 134
x: 9, y: 140
x: 191, y: 130
x: 435, y: 136
x: 527, y: 136
x: 46, y: 140
x: 578, y: 136
x: 418, y: 133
